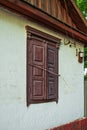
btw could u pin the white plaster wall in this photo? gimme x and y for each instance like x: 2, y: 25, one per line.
x: 14, y: 114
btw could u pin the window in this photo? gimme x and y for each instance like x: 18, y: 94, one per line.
x: 42, y: 67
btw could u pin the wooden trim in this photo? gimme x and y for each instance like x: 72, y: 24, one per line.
x: 77, y: 16
x: 80, y: 124
x: 32, y: 13
x: 79, y: 12
x: 41, y: 34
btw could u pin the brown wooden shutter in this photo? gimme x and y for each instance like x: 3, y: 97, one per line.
x: 36, y: 73
x: 52, y: 73
x: 42, y: 67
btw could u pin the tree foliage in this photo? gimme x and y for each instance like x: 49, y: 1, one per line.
x: 82, y: 4
x: 85, y: 57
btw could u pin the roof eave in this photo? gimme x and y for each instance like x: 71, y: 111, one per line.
x: 42, y: 18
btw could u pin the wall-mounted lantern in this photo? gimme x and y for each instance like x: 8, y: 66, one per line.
x: 80, y: 55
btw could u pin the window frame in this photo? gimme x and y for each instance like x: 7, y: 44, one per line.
x: 53, y: 41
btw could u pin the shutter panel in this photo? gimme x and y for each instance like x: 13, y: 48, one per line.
x: 52, y: 74
x: 36, y: 73
x: 42, y: 67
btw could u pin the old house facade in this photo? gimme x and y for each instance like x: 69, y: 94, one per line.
x: 41, y: 68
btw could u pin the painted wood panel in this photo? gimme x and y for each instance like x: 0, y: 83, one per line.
x: 36, y: 61
x: 52, y: 70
